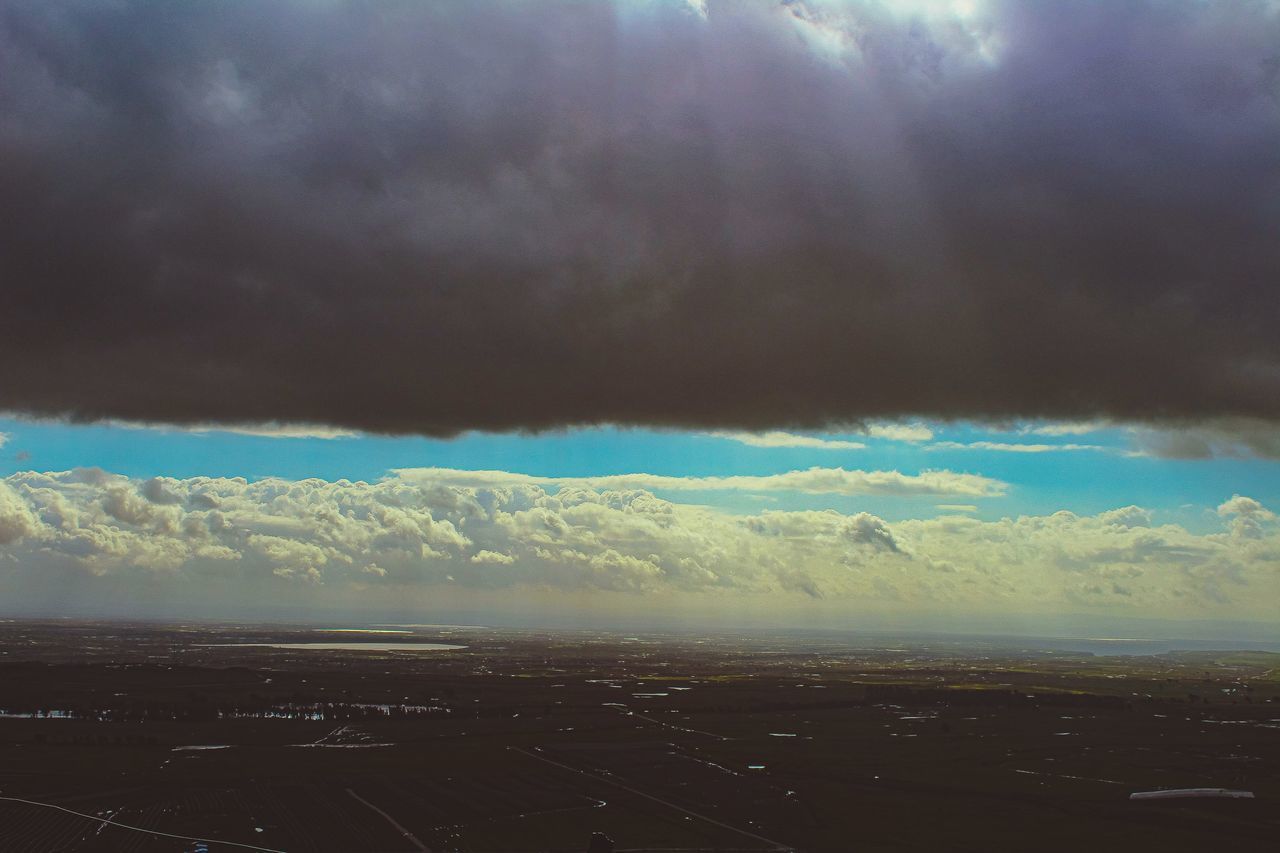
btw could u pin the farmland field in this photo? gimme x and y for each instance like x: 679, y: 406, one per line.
x: 160, y: 737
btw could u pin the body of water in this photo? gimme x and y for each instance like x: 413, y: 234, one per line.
x: 357, y: 647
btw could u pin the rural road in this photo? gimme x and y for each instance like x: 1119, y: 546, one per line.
x: 777, y: 845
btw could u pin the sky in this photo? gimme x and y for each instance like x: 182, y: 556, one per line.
x: 931, y: 314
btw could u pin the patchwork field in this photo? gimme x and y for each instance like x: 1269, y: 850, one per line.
x: 161, y: 738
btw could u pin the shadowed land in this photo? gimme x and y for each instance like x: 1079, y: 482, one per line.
x: 528, y: 741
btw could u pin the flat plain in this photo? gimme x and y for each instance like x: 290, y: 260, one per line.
x: 154, y: 737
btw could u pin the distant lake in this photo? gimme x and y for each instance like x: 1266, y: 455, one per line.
x: 357, y: 647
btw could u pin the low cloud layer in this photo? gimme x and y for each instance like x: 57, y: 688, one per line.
x: 1222, y: 438
x: 773, y: 439
x: 1205, y: 438
x: 814, y: 481
x: 1014, y: 447
x: 71, y: 536
x: 429, y: 217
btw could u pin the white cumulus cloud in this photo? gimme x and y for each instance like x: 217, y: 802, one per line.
x: 1012, y: 447
x: 777, y: 438
x: 836, y: 481
x: 425, y: 534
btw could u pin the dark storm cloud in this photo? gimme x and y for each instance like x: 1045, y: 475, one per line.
x: 432, y: 217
